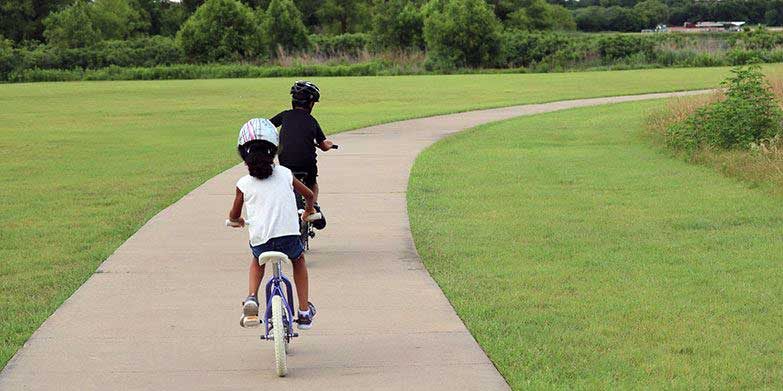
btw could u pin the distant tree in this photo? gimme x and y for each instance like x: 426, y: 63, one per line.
x: 397, y: 24
x: 623, y: 19
x: 72, y: 27
x: 309, y: 10
x: 221, y: 30
x: 117, y: 19
x: 172, y: 16
x: 540, y: 15
x: 192, y: 5
x: 344, y: 16
x: 24, y: 19
x: 592, y: 18
x: 460, y: 33
x: 652, y: 12
x: 284, y: 28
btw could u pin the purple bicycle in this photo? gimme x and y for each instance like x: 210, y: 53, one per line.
x: 279, y: 313
x: 278, y: 317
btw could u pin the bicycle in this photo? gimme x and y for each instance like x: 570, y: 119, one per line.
x: 278, y: 316
x: 306, y: 229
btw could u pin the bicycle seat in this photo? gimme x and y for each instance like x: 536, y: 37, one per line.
x: 272, y: 256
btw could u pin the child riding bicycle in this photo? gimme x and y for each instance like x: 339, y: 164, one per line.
x: 300, y: 133
x: 268, y: 195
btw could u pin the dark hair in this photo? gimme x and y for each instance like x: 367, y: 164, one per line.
x: 259, y: 157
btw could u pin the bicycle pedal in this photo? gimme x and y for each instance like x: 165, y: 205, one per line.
x: 250, y: 321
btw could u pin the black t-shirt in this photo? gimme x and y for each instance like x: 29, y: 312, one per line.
x: 299, y: 134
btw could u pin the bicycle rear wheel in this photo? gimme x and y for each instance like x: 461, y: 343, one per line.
x: 278, y: 333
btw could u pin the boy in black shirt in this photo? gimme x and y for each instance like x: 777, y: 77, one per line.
x: 300, y: 134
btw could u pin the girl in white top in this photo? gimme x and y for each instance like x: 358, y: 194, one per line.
x: 268, y: 195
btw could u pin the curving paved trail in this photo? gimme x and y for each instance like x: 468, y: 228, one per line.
x: 162, y: 312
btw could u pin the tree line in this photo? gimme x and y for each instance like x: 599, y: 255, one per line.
x: 29, y: 20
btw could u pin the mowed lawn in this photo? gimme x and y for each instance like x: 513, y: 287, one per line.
x: 579, y: 256
x: 84, y: 165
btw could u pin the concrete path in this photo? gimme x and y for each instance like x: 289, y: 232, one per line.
x: 162, y: 313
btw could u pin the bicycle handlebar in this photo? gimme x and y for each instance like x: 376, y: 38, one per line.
x: 311, y: 218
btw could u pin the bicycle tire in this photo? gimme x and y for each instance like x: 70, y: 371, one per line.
x: 278, y: 333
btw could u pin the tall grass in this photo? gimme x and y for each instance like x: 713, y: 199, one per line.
x: 760, y: 165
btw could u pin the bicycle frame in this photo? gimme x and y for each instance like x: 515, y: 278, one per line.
x: 274, y: 287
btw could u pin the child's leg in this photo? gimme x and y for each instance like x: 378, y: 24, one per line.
x: 300, y: 279
x: 256, y: 274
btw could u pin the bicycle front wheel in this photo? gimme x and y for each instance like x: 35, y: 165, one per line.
x: 278, y: 333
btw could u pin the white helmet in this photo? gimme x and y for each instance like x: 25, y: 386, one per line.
x: 258, y: 129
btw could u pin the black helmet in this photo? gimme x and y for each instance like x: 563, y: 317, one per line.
x: 305, y: 92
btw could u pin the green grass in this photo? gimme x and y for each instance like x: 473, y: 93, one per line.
x: 84, y: 165
x: 580, y: 256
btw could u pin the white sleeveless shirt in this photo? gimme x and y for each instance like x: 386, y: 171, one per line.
x: 270, y: 205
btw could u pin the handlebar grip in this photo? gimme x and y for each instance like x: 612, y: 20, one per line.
x: 335, y: 146
x: 232, y: 225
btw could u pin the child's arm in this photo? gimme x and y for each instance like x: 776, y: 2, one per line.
x: 308, y: 195
x: 235, y: 215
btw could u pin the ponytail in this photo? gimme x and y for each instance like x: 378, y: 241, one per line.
x: 259, y: 157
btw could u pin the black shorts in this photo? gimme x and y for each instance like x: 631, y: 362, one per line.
x: 310, y: 170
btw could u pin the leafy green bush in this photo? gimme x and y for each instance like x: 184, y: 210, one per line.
x: 284, y: 28
x: 757, y: 39
x: 538, y: 15
x: 207, y: 71
x: 350, y: 43
x: 748, y: 114
x: 72, y: 27
x: 221, y: 30
x: 397, y: 24
x: 147, y: 52
x: 523, y: 48
x: 86, y: 22
x: 617, y: 46
x: 460, y: 33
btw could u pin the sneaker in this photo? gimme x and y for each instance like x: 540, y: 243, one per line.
x: 305, y: 320
x: 249, y: 312
x: 250, y: 306
x: 320, y: 223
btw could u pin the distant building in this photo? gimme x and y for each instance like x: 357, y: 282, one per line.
x: 709, y: 27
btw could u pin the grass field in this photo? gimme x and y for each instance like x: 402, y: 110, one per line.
x: 580, y: 256
x: 84, y: 165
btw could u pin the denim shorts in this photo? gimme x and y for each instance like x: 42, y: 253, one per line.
x: 289, y: 245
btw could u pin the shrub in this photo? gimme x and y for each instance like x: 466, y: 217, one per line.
x: 117, y: 19
x: 84, y: 23
x: 221, y: 30
x: 618, y: 46
x: 7, y: 58
x: 397, y: 24
x: 522, y: 48
x: 150, y: 51
x: 460, y: 33
x: 757, y: 39
x: 71, y: 27
x: 748, y: 114
x: 540, y: 15
x: 351, y: 44
x: 284, y: 28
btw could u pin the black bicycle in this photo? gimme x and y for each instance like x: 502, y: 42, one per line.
x: 306, y: 229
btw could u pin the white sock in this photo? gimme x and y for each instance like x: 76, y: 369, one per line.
x: 304, y: 313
